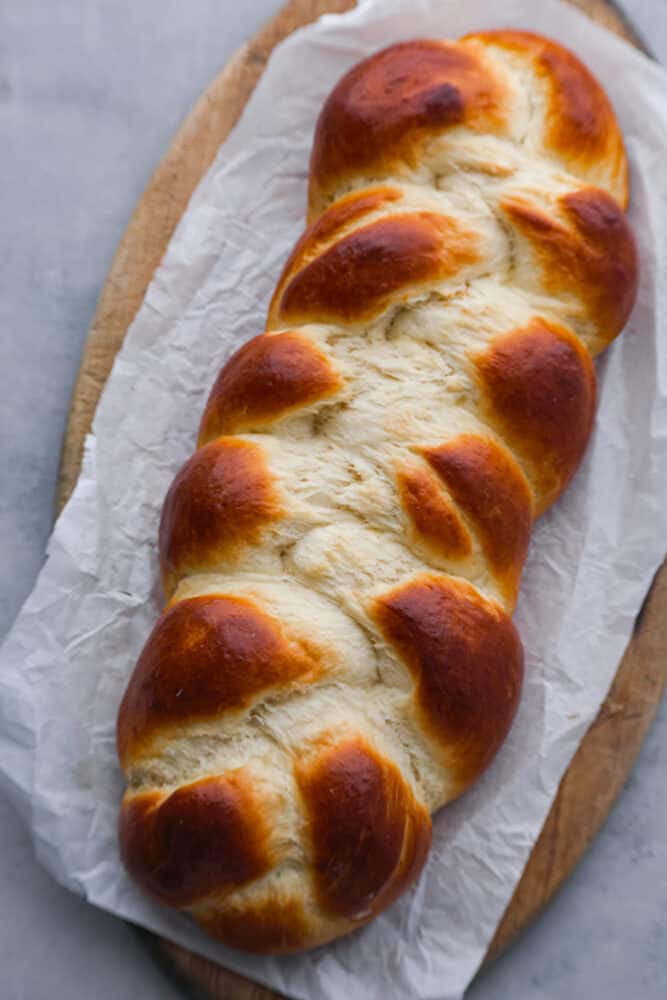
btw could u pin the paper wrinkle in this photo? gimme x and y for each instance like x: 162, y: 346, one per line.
x: 65, y: 663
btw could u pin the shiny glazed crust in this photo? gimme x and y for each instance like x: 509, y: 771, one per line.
x: 343, y: 552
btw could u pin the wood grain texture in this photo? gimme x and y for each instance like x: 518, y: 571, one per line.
x: 608, y: 751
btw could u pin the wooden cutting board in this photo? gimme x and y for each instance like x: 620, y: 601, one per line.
x: 606, y: 755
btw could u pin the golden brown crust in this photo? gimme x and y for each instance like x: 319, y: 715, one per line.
x: 379, y: 116
x: 434, y: 520
x: 539, y: 383
x: 218, y: 503
x: 580, y: 126
x: 331, y: 226
x: 593, y: 259
x: 370, y: 837
x: 467, y: 661
x: 356, y: 278
x: 270, y: 926
x: 265, y: 380
x: 209, y: 835
x: 207, y: 656
x: 492, y: 491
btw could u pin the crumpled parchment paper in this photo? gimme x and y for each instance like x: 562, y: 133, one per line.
x: 66, y: 661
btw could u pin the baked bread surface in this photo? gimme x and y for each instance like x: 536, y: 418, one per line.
x: 343, y: 552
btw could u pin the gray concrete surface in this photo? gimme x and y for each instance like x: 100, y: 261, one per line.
x: 90, y: 93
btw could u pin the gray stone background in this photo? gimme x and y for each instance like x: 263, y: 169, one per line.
x: 91, y: 92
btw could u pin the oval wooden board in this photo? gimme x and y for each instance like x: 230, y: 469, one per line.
x: 607, y: 753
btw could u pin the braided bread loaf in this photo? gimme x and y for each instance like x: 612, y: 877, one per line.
x: 343, y: 551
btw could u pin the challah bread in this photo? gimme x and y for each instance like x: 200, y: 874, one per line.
x: 342, y: 553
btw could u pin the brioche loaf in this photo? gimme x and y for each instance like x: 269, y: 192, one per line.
x: 342, y: 553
